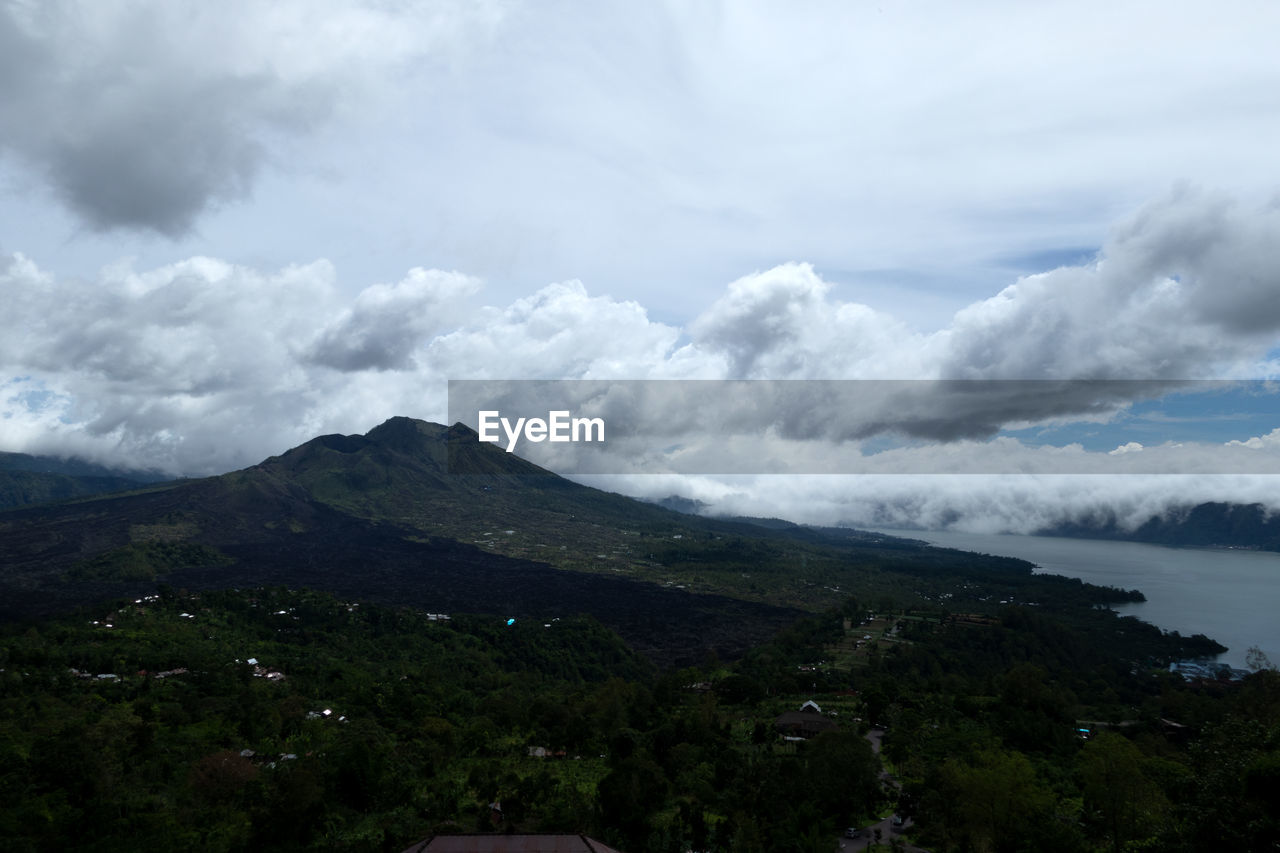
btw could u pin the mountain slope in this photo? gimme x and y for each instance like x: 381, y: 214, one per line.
x: 425, y: 515
x: 1206, y: 525
x: 27, y: 479
x: 416, y: 473
x: 317, y: 516
x: 444, y: 482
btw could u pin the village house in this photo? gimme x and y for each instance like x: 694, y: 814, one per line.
x: 807, y: 722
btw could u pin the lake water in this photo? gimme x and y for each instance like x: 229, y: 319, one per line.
x: 1232, y: 596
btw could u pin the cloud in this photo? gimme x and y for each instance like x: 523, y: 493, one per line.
x: 1185, y: 289
x: 824, y: 426
x: 1127, y: 447
x: 974, y: 503
x: 1134, y: 313
x: 388, y: 323
x: 145, y: 116
x: 1220, y: 257
x: 204, y: 365
x: 1270, y: 441
x: 655, y: 151
x: 783, y: 323
x: 711, y: 436
x: 559, y: 332
x: 171, y: 368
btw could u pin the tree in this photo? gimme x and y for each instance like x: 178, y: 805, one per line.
x: 844, y: 773
x: 997, y: 803
x: 1256, y: 659
x: 220, y: 775
x: 1125, y: 803
x: 633, y: 790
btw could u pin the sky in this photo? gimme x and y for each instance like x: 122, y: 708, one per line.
x: 225, y: 229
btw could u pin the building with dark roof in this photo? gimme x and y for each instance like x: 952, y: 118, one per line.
x: 808, y: 722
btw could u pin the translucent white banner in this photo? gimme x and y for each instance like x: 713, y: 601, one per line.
x: 875, y: 426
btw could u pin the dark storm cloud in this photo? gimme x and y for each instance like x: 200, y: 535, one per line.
x: 162, y: 164
x: 820, y: 426
x: 932, y: 410
x: 1224, y: 257
x: 147, y: 116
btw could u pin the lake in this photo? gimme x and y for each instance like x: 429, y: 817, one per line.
x: 1230, y: 595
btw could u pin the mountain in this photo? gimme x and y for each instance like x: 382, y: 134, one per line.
x: 1206, y: 525
x: 679, y: 503
x: 366, y: 516
x: 27, y: 479
x: 73, y: 467
x: 420, y: 514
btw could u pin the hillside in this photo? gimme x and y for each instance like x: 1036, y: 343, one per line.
x: 260, y: 663
x: 27, y: 479
x: 421, y: 514
x: 1206, y: 525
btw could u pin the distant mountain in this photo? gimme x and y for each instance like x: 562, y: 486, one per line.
x: 1206, y: 525
x: 420, y: 514
x: 679, y: 503
x: 27, y: 479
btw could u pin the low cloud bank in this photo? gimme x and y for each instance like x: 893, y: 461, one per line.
x: 202, y: 366
x: 977, y: 504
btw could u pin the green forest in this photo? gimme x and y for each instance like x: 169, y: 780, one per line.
x: 295, y: 720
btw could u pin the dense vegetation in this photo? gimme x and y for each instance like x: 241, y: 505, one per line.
x: 26, y: 479
x: 236, y: 720
x: 985, y: 729
x: 295, y: 720
x: 354, y: 726
x: 1026, y: 733
x: 350, y: 719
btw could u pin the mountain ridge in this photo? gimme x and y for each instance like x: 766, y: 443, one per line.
x: 1212, y: 524
x: 349, y: 514
x: 419, y: 514
x: 30, y: 479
